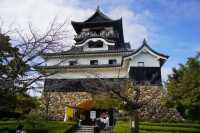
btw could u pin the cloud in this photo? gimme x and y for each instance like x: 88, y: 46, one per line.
x: 134, y: 28
x: 41, y: 13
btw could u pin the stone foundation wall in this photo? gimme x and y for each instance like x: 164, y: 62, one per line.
x: 152, y: 110
x: 58, y: 101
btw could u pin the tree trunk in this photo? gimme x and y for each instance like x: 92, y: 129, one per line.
x: 134, y: 122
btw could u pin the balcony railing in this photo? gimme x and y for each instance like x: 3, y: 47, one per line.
x: 104, y: 34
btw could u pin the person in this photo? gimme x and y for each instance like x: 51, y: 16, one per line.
x: 100, y: 123
x: 106, y: 119
x: 79, y: 123
x: 20, y: 129
x: 97, y: 127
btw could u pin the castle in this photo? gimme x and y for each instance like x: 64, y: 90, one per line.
x: 100, y: 51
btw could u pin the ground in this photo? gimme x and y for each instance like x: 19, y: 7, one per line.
x: 121, y: 127
x: 163, y: 127
x: 37, y: 127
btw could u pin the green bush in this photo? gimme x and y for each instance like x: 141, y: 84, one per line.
x: 164, y: 127
x: 123, y: 119
x: 40, y: 126
x: 122, y: 127
x: 169, y: 129
x: 166, y: 124
x: 7, y: 119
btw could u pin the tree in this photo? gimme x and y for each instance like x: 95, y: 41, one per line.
x: 184, y: 88
x: 126, y: 91
x: 11, y: 67
x: 19, y: 58
x: 46, y: 100
x: 106, y: 102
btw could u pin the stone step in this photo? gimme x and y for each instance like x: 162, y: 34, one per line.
x: 77, y: 131
x: 84, y: 129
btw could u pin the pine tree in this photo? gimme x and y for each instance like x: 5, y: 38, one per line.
x: 184, y: 88
x: 11, y: 68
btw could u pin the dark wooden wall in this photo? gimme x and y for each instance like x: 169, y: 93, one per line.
x: 146, y: 75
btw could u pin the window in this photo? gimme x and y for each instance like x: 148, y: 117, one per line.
x: 145, y: 75
x: 98, y: 44
x: 96, y: 30
x: 72, y: 63
x: 94, y: 62
x: 141, y: 64
x: 112, y: 61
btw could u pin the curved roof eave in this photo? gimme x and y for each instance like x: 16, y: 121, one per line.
x: 104, y: 18
x: 82, y: 23
x: 160, y: 55
x: 98, y: 13
x: 79, y: 25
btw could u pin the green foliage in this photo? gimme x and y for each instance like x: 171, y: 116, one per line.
x: 169, y: 129
x: 174, y: 124
x: 106, y: 102
x: 40, y: 127
x: 163, y: 127
x: 11, y: 68
x: 11, y: 64
x: 26, y: 104
x: 184, y: 88
x: 122, y: 127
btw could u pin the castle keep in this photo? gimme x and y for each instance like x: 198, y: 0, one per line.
x: 100, y: 51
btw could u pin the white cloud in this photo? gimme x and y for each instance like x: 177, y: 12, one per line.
x: 133, y: 24
x: 41, y: 13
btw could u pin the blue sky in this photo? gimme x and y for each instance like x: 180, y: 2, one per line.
x: 173, y: 25
x: 170, y: 26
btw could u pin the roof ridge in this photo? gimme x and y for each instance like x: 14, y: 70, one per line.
x: 145, y: 44
x: 100, y: 13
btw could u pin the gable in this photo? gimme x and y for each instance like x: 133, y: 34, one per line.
x: 98, y: 16
x: 148, y: 59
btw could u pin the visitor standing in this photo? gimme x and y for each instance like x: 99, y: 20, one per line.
x: 20, y: 129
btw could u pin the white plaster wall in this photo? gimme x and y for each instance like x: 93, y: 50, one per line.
x: 82, y: 60
x: 101, y: 60
x: 148, y: 59
x: 86, y: 48
x: 90, y: 74
x: 54, y: 61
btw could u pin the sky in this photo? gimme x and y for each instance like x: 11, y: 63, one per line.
x: 169, y: 26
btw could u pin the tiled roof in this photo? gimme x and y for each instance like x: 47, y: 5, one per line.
x: 78, y: 66
x: 149, y: 48
x: 79, y: 51
x: 98, y: 16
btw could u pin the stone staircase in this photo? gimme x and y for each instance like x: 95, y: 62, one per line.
x: 84, y: 129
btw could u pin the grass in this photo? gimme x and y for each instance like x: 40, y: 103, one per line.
x: 163, y: 127
x: 42, y: 126
x: 122, y: 127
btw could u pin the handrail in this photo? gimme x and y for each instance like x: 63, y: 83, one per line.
x: 103, y: 34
